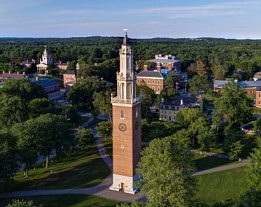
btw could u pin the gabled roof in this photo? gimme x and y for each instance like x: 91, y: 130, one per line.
x: 149, y: 74
x: 70, y: 72
x: 242, y: 84
x: 11, y: 75
x: 185, y: 101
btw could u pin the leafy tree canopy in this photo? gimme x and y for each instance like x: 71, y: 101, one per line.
x: 164, y: 169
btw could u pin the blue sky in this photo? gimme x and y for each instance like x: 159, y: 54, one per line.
x: 238, y: 19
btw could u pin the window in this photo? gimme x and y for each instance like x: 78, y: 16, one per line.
x: 153, y: 88
x: 122, y: 114
x: 158, y: 81
x: 153, y: 81
x: 158, y: 88
x: 148, y: 81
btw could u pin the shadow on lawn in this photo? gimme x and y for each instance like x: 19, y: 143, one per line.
x: 203, y: 163
x: 81, y: 176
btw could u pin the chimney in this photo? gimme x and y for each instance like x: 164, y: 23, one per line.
x: 37, y: 78
x: 145, y: 67
x: 9, y: 72
x: 3, y: 72
x: 68, y: 62
x: 17, y: 72
x: 23, y: 73
x: 158, y: 67
x: 170, y: 66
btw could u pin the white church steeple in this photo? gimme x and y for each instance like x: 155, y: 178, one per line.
x: 46, y: 59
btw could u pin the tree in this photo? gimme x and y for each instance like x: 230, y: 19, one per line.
x: 199, y: 84
x: 198, y: 127
x: 40, y: 136
x: 219, y: 72
x: 206, y: 139
x: 105, y: 128
x: 8, y: 160
x: 148, y: 97
x: 187, y: 116
x: 195, y: 123
x: 252, y: 196
x: 27, y: 144
x: 24, y: 89
x: 53, y: 134
x: 12, y: 110
x: 200, y: 67
x: 233, y: 105
x: 164, y: 169
x: 81, y: 93
x: 183, y: 137
x: 232, y: 144
x: 85, y: 138
x: 22, y: 203
x: 257, y: 125
x: 40, y: 106
x: 71, y: 113
x: 102, y: 102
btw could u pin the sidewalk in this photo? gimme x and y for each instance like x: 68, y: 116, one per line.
x: 221, y: 168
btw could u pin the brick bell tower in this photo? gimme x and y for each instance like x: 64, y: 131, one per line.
x: 126, y: 119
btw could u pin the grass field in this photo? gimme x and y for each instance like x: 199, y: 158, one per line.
x: 83, y: 169
x: 221, y: 188
x: 108, y: 146
x: 202, y: 162
x: 65, y: 201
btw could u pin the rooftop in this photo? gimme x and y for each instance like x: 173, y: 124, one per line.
x: 243, y: 84
x: 150, y: 74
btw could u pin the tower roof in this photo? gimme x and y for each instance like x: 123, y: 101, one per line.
x: 125, y: 39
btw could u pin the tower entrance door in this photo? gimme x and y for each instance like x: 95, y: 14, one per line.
x: 122, y: 186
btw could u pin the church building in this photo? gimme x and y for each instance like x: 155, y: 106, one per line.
x: 44, y: 61
x: 126, y: 114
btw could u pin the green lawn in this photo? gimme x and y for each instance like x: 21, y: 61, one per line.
x: 82, y: 169
x: 221, y: 186
x: 202, y: 162
x: 107, y: 143
x: 65, y: 201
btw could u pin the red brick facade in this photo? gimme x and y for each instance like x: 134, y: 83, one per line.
x: 156, y: 84
x: 126, y: 139
x: 68, y: 77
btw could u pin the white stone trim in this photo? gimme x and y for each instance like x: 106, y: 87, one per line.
x: 128, y: 183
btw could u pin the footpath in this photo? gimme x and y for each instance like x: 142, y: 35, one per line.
x: 102, y: 189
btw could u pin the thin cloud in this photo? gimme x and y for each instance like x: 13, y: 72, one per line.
x: 220, y: 9
x: 77, y: 12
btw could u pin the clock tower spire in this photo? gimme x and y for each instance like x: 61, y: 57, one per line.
x: 126, y: 118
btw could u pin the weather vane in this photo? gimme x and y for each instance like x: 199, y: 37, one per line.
x: 125, y: 30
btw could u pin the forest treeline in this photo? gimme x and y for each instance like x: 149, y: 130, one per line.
x: 219, y: 56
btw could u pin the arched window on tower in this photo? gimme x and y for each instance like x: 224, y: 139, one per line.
x: 122, y: 114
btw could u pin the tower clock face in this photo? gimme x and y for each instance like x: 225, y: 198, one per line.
x: 122, y: 127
